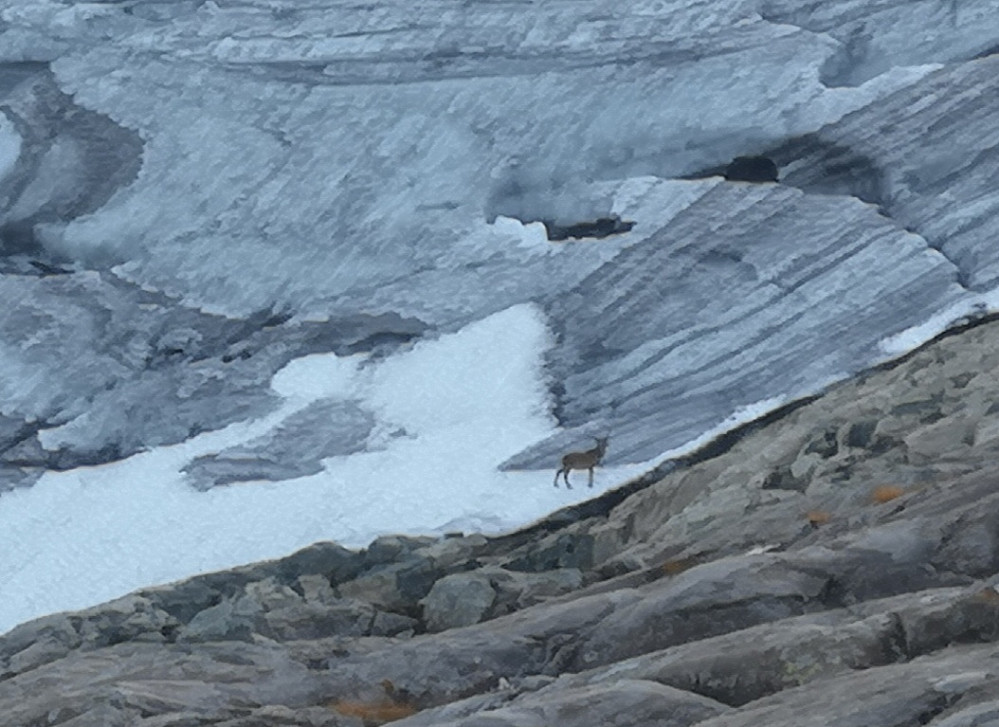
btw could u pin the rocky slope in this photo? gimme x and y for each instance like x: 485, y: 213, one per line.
x: 831, y: 564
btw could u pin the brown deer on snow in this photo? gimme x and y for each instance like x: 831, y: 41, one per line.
x: 582, y: 461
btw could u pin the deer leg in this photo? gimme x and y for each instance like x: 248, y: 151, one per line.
x: 556, y: 477
x: 567, y: 485
x: 591, y: 477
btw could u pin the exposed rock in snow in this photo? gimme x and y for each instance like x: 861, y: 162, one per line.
x: 295, y: 448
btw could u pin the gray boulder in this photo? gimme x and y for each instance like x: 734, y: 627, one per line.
x: 462, y: 599
x: 628, y: 703
x: 457, y: 600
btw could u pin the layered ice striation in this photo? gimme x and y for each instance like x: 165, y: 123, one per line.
x: 928, y: 157
x: 753, y: 292
x: 195, y: 193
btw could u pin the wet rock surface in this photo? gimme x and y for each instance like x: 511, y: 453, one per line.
x: 856, y: 587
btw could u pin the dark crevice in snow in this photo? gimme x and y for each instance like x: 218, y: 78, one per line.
x: 599, y: 228
x: 561, y: 205
x: 758, y: 168
x: 817, y: 166
x: 990, y: 51
x: 21, y: 253
x: 752, y: 169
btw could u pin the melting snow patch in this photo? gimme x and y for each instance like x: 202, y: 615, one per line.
x: 761, y: 549
x: 742, y: 415
x: 461, y: 404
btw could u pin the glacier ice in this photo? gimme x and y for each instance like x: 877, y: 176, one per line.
x: 334, y: 162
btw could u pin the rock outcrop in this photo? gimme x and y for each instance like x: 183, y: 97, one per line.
x: 834, y: 563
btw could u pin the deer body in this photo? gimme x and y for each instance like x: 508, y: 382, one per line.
x: 582, y: 461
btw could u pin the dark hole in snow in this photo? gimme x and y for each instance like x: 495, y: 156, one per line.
x: 19, y: 237
x: 599, y: 228
x: 751, y: 169
x: 991, y: 51
x: 22, y: 254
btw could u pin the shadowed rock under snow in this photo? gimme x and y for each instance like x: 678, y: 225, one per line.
x: 294, y: 448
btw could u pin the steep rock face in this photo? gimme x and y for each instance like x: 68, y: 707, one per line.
x: 835, y: 563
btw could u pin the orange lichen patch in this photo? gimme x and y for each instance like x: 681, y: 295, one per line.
x: 988, y: 595
x: 886, y: 493
x: 675, y: 567
x: 373, y: 714
x: 817, y: 517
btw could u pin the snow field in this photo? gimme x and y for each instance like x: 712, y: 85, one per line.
x: 450, y: 411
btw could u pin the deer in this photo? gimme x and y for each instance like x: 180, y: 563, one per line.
x: 582, y: 461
